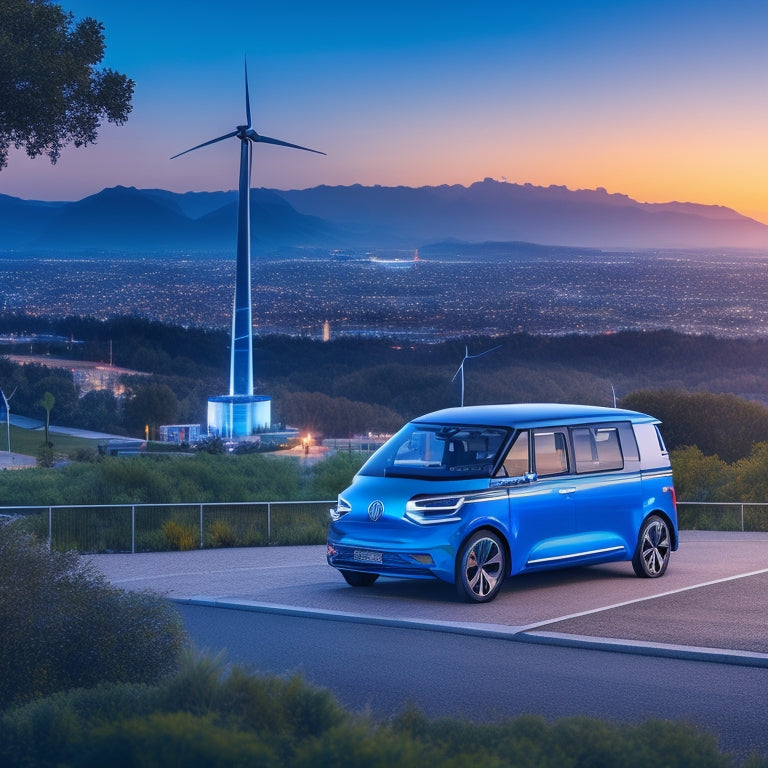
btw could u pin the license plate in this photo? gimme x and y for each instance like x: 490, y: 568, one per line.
x: 366, y: 556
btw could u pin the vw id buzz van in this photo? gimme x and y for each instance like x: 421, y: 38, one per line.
x: 472, y: 495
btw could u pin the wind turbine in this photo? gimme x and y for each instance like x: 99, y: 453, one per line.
x: 241, y: 360
x: 7, y: 414
x: 467, y: 356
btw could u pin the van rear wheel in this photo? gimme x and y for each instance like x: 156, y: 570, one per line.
x: 480, y: 567
x: 654, y: 545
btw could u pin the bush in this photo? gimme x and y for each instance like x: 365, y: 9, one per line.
x: 62, y: 626
x: 220, y: 534
x: 333, y: 474
x: 180, y: 537
x: 202, y: 716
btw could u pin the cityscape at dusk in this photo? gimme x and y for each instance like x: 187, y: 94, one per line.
x: 422, y: 301
x: 656, y: 100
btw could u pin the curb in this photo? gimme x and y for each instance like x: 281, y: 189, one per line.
x: 498, y: 632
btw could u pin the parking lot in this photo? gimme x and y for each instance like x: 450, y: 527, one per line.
x: 712, y: 602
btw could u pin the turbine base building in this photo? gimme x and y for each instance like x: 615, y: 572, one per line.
x: 232, y: 416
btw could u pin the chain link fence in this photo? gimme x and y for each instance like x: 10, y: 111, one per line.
x: 167, y: 527
x: 722, y: 516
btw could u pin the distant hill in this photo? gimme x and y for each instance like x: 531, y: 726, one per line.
x: 498, y: 211
x: 126, y: 219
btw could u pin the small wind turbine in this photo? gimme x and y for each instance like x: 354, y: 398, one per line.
x: 467, y: 356
x: 241, y: 361
x: 7, y: 414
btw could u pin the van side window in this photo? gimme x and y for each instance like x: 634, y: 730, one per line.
x: 516, y: 463
x: 550, y: 452
x: 597, y: 449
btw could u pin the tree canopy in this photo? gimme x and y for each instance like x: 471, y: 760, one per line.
x: 51, y: 93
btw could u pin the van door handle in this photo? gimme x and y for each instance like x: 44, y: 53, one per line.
x: 563, y: 491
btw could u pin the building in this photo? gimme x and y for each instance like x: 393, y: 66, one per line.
x: 179, y: 433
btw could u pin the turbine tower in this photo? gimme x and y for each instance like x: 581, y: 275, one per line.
x: 240, y: 412
x: 460, y: 371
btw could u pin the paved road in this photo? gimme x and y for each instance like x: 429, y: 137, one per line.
x: 382, y: 669
x: 712, y: 604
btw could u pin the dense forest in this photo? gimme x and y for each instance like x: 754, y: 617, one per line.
x: 352, y: 385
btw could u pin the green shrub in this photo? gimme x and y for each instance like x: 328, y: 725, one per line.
x: 204, y: 716
x: 332, y: 475
x: 84, y: 454
x: 220, y: 534
x: 180, y: 537
x: 174, y: 738
x: 63, y: 626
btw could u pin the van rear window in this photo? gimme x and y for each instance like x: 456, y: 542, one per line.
x: 597, y: 449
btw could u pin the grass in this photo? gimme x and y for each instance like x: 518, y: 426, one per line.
x: 27, y: 441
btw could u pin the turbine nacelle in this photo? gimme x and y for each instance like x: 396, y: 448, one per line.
x: 247, y: 133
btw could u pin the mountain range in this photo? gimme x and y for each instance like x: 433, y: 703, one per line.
x: 130, y: 220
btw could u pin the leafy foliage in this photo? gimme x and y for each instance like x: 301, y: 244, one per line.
x: 710, y: 479
x: 351, y: 385
x: 63, y: 626
x: 51, y: 93
x: 166, y: 479
x: 208, y: 717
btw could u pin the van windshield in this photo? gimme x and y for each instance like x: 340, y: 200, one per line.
x: 438, y: 452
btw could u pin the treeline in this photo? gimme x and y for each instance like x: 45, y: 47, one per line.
x: 352, y: 385
x: 203, y: 477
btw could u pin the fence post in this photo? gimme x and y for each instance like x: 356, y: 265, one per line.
x: 742, y: 517
x: 133, y: 529
x: 50, y: 528
x: 269, y: 522
x: 201, y: 525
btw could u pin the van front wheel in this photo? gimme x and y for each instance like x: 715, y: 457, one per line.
x: 480, y: 567
x: 654, y: 545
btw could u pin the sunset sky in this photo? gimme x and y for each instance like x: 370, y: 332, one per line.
x: 660, y: 100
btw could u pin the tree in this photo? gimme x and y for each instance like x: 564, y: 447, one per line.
x: 150, y: 405
x: 51, y: 93
x: 47, y: 402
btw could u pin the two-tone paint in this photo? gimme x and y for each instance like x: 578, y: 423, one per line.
x: 542, y: 522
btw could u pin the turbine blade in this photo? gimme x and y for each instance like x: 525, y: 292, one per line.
x: 253, y: 136
x: 206, y: 143
x: 486, y: 352
x: 247, y: 99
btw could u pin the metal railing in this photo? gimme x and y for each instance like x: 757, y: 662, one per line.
x: 163, y: 527
x: 722, y: 515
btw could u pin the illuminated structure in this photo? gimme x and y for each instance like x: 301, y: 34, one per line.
x: 241, y: 413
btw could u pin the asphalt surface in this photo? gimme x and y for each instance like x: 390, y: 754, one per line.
x: 712, y: 604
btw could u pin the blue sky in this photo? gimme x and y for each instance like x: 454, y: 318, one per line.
x: 658, y: 100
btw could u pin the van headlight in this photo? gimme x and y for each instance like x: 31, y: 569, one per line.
x: 429, y: 510
x: 342, y: 508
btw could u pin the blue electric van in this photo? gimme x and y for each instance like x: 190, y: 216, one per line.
x: 472, y: 495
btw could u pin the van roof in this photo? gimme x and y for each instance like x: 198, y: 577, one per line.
x: 533, y: 414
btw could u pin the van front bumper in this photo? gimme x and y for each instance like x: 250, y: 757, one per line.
x: 386, y: 562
